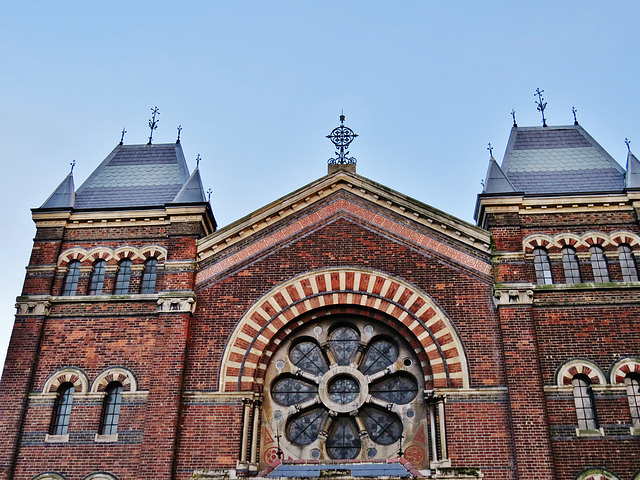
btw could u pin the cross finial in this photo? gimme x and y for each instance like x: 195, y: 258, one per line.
x: 73, y: 164
x: 153, y: 123
x: 341, y: 137
x: 198, y: 161
x: 122, y: 136
x: 209, y: 195
x: 179, y: 130
x: 513, y: 114
x: 541, y: 105
x: 628, y: 144
x: 575, y: 119
x: 490, y: 148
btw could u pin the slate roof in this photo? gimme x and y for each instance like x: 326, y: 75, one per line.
x: 561, y: 159
x: 63, y: 196
x: 135, y: 176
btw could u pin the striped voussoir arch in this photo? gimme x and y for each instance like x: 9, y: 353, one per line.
x: 277, y: 314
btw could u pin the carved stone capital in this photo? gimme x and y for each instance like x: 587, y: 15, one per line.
x: 33, y: 306
x: 513, y: 295
x: 176, y: 304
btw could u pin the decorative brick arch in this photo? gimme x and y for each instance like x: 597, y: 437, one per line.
x: 537, y: 240
x: 580, y: 366
x: 622, y: 368
x: 596, y: 238
x: 49, y: 476
x: 629, y: 238
x: 88, y: 257
x: 115, y: 374
x: 68, y: 374
x: 597, y: 474
x: 574, y: 240
x: 100, y: 476
x: 278, y: 311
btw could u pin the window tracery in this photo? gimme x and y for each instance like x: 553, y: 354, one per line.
x: 341, y: 389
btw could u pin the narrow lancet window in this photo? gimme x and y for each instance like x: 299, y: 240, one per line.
x: 571, y: 265
x: 583, y: 398
x: 149, y: 276
x: 599, y: 264
x: 62, y: 409
x: 97, y: 278
x: 543, y: 266
x: 71, y: 279
x: 123, y: 278
x: 627, y: 263
x: 111, y: 412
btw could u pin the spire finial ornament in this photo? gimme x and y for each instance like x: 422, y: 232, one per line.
x: 153, y: 123
x: 122, y: 136
x: 342, y: 137
x: 73, y: 164
x: 541, y: 105
x: 179, y: 130
x: 198, y: 161
x: 575, y: 119
x: 209, y: 195
x: 513, y: 114
x: 626, y: 141
x: 490, y: 148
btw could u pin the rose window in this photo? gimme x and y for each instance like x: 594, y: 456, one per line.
x: 342, y: 389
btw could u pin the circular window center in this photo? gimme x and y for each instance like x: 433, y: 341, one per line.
x: 343, y: 389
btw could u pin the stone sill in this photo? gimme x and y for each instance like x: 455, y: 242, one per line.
x: 56, y: 438
x: 590, y: 432
x: 106, y: 438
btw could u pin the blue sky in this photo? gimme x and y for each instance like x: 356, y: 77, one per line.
x: 257, y: 85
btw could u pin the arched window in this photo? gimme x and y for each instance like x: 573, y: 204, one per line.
x: 123, y: 278
x: 149, y: 276
x: 543, y: 266
x: 571, y: 265
x: 97, y: 278
x: 632, y: 380
x: 62, y: 409
x: 344, y: 375
x: 111, y: 411
x: 599, y: 264
x: 71, y: 280
x: 627, y: 263
x: 583, y: 398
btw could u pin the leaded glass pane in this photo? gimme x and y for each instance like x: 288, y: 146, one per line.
x: 123, y: 278
x: 380, y: 354
x: 542, y: 266
x: 97, y: 278
x: 599, y: 264
x: 633, y: 394
x: 113, y: 401
x: 343, y: 342
x: 628, y: 264
x: 291, y: 391
x: 71, y: 280
x: 343, y: 441
x: 583, y: 398
x: 303, y: 429
x: 398, y: 388
x: 308, y: 356
x: 343, y: 389
x: 571, y: 265
x: 149, y: 276
x: 383, y: 427
x: 62, y: 409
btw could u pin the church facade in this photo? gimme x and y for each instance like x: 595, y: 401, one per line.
x: 344, y: 331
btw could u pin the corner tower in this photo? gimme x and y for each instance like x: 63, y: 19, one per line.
x: 103, y: 317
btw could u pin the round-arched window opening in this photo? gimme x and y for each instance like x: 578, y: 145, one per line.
x: 346, y: 387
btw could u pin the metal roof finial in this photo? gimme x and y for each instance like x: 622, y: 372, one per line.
x: 342, y: 137
x: 209, y: 195
x: 73, y: 164
x: 122, y: 136
x: 513, y: 114
x: 490, y: 148
x: 198, y: 161
x: 575, y: 119
x: 628, y: 144
x: 179, y: 130
x: 541, y: 105
x: 153, y: 123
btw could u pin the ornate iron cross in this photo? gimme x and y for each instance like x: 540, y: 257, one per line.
x: 342, y: 137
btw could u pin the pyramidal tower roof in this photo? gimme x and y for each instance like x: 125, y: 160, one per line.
x: 633, y: 171
x: 63, y: 196
x: 135, y: 176
x: 560, y: 159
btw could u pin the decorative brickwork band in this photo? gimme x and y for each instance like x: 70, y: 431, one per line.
x: 580, y: 367
x: 360, y: 211
x: 585, y: 240
x: 246, y: 355
x: 87, y: 257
